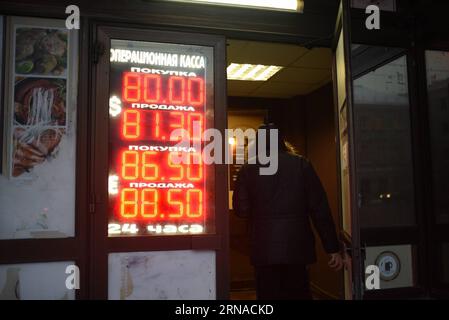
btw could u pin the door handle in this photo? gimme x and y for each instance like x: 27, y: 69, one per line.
x: 348, y: 250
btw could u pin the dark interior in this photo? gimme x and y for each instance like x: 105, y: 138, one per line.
x: 308, y: 124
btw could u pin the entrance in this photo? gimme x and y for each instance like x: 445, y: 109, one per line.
x: 370, y: 113
x: 299, y: 100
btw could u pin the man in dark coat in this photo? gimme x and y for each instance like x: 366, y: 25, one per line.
x: 279, y: 208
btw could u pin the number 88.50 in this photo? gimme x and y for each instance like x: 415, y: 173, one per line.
x: 146, y: 203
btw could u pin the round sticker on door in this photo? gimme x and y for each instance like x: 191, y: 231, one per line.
x: 389, y: 265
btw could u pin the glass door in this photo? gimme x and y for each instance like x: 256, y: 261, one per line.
x: 383, y: 220
x: 346, y: 160
x: 391, y: 167
x: 388, y: 215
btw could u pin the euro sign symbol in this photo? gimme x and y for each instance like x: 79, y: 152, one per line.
x: 115, y: 106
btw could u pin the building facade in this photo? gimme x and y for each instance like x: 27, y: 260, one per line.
x: 89, y: 186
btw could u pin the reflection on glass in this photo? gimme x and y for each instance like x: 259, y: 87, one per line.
x: 437, y: 64
x: 343, y: 131
x: 341, y: 71
x: 344, y: 170
x: 383, y: 147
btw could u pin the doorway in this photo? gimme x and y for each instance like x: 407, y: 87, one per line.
x: 299, y: 99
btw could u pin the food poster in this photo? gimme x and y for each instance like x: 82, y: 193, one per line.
x: 40, y: 90
x: 40, y: 134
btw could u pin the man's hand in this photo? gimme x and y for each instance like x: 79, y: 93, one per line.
x: 336, y: 261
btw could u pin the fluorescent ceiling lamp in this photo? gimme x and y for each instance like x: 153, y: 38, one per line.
x: 288, y: 5
x: 251, y: 72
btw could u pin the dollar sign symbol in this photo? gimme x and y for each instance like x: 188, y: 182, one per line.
x: 115, y: 106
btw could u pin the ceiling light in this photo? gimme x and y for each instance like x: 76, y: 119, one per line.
x: 251, y: 72
x: 288, y: 5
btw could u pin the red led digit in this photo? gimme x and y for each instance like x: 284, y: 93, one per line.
x: 157, y: 120
x: 128, y: 207
x: 149, y: 204
x: 131, y: 124
x: 194, y: 203
x: 150, y: 170
x: 178, y: 167
x: 130, y: 165
x: 176, y: 90
x: 195, y: 164
x: 158, y: 203
x: 151, y: 88
x: 176, y: 124
x: 195, y: 126
x: 177, y: 204
x: 131, y: 87
x: 195, y: 89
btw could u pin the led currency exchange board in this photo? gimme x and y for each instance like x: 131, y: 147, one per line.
x: 160, y: 98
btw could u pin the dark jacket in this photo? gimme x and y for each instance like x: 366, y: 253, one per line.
x: 279, y: 206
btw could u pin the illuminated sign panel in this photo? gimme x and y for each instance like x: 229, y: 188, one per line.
x: 157, y: 185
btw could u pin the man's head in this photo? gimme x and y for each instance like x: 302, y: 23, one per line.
x: 270, y: 128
